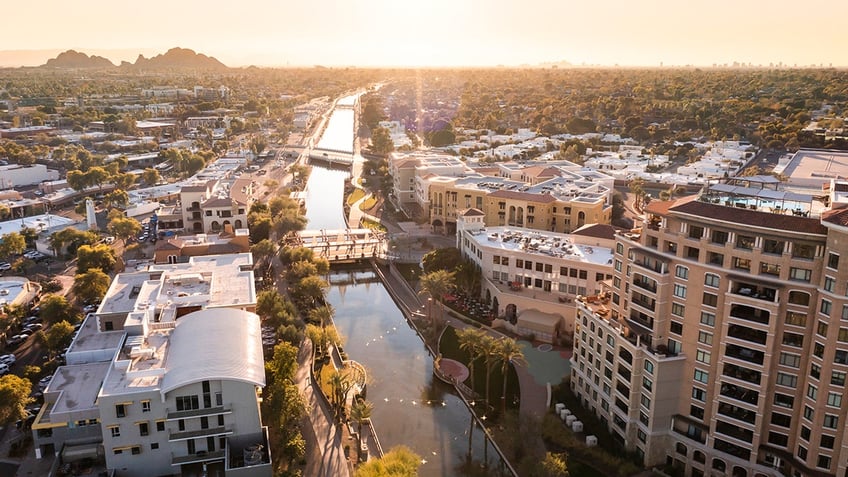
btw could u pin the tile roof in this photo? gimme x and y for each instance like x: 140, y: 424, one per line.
x: 603, y: 231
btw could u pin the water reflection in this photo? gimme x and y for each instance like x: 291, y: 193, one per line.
x: 324, y: 197
x: 411, y: 406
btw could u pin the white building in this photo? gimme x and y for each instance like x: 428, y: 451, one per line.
x: 14, y: 175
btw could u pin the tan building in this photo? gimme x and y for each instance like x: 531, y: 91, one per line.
x: 725, y: 347
x: 179, y: 249
x: 210, y: 206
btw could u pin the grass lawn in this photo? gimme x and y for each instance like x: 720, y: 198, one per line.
x: 355, y: 195
x: 449, y: 347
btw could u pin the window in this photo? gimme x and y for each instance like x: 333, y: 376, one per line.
x: 646, y: 401
x: 831, y: 421
x: 800, y: 274
x: 679, y: 291
x: 677, y: 309
x: 823, y: 462
x: 827, y: 442
x: 825, y: 307
x: 649, y: 367
x: 799, y: 298
x: 704, y: 337
x: 711, y: 280
x: 812, y: 392
x: 791, y: 360
x: 676, y: 328
x: 802, y: 452
x: 143, y: 429
x: 773, y: 246
x: 793, y: 339
x: 136, y: 450
x: 719, y: 236
x: 744, y: 242
x: 120, y: 410
x: 699, y: 394
x: 769, y: 269
x: 832, y: 261
x: 784, y: 379
x: 821, y: 328
x: 809, y: 414
x: 116, y: 431
x: 160, y: 426
x: 647, y: 384
x: 540, y: 266
x: 154, y: 446
x: 805, y: 433
x: 681, y: 272
x: 702, y: 376
x: 741, y: 263
x: 710, y: 299
x: 815, y: 371
x: 145, y: 406
x: 837, y: 378
x: 781, y: 420
x: 844, y: 312
x: 829, y: 284
x: 796, y: 319
x: 187, y: 403
x: 800, y: 250
x: 707, y: 318
x: 834, y: 399
x: 702, y: 356
x: 783, y: 400
x: 778, y: 439
x: 696, y: 232
x: 696, y: 412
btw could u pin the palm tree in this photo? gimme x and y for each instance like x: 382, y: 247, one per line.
x: 360, y: 411
x: 488, y: 348
x: 340, y: 386
x: 321, y: 314
x: 437, y: 284
x: 508, y: 351
x: 470, y: 340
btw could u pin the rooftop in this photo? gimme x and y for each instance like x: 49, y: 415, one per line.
x: 77, y: 387
x: 550, y: 244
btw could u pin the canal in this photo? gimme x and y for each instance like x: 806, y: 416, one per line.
x: 411, y: 406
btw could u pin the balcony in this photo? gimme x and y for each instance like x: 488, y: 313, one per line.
x: 752, y: 291
x: 201, y: 456
x: 651, y: 264
x: 745, y: 354
x: 749, y: 313
x: 642, y: 320
x: 742, y: 373
x: 747, y: 334
x: 210, y: 432
x: 645, y: 284
x: 209, y: 411
x: 643, y: 301
x: 689, y: 428
x: 739, y: 393
x: 736, y: 412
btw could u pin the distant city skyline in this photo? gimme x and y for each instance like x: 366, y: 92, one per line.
x: 436, y: 32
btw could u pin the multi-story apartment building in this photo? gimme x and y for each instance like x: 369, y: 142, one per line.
x: 725, y: 349
x: 527, y: 270
x: 165, y: 378
x: 552, y: 196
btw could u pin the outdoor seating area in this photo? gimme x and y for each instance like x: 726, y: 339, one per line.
x: 470, y: 307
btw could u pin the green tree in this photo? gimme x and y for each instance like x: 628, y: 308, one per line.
x: 12, y: 244
x: 471, y: 341
x: 381, y: 141
x: 99, y: 256
x: 59, y: 336
x: 123, y: 227
x: 263, y: 250
x: 309, y: 290
x: 56, y: 308
x: 150, y: 176
x: 488, y: 350
x: 360, y: 412
x: 437, y: 284
x: 400, y: 461
x: 554, y: 465
x: 507, y: 351
x: 442, y: 259
x: 117, y: 197
x: 91, y: 285
x: 14, y: 397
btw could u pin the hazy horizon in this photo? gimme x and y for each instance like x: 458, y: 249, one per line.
x: 437, y: 33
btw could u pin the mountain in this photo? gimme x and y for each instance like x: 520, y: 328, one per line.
x: 75, y: 59
x: 181, y: 58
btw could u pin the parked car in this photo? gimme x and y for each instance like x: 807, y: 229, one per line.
x: 90, y: 308
x: 4, y: 266
x: 44, y: 382
x: 33, y: 327
x: 4, y: 369
x: 109, y: 240
x: 8, y: 359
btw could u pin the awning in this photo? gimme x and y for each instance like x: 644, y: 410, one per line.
x: 537, y: 321
x: 77, y: 453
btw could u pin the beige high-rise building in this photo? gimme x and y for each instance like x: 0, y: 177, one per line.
x: 725, y: 350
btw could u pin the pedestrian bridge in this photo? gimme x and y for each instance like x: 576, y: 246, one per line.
x: 343, y: 245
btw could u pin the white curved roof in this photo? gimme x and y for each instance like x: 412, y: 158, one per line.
x: 212, y: 344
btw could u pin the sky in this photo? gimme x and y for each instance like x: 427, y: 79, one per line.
x: 435, y: 32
